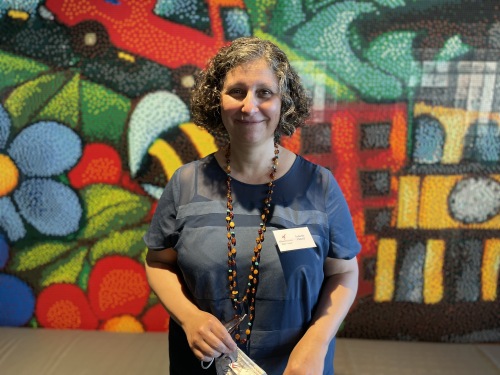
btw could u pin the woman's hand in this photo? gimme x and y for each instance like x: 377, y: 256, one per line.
x: 307, y: 358
x: 207, y: 336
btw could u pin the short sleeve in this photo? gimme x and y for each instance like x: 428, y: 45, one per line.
x: 344, y: 243
x: 163, y: 232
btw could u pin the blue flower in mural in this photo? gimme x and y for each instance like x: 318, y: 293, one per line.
x: 4, y: 252
x: 17, y: 301
x: 27, y: 162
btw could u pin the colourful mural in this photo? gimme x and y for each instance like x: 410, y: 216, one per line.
x: 94, y: 119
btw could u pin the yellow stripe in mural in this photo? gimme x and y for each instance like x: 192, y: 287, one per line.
x: 201, y: 139
x: 384, y: 276
x: 408, y: 198
x: 126, y: 56
x: 434, y: 211
x: 490, y: 269
x: 456, y: 124
x: 167, y: 156
x: 433, y: 271
x: 18, y: 14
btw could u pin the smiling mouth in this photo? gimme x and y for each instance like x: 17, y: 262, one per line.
x: 245, y: 121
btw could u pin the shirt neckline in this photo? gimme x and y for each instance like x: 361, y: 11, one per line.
x: 282, y: 178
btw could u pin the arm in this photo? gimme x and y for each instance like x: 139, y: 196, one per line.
x: 338, y: 294
x: 206, y: 335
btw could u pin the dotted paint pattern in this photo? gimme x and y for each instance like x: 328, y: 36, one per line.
x: 94, y: 119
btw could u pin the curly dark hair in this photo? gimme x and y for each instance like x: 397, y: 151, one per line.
x: 206, y: 94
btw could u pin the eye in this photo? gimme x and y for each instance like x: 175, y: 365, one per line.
x: 236, y: 92
x: 265, y: 93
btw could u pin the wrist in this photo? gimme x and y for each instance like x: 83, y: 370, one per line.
x: 318, y: 337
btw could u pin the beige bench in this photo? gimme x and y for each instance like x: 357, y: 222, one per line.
x: 28, y: 351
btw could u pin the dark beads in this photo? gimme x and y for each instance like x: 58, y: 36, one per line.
x: 254, y: 269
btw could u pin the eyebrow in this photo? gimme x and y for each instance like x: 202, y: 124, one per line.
x: 274, y: 85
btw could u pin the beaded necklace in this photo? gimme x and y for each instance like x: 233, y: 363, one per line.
x: 253, y: 277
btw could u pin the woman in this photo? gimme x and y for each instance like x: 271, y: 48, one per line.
x: 212, y: 251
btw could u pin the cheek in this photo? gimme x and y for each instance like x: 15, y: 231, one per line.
x: 274, y: 110
x: 228, y: 104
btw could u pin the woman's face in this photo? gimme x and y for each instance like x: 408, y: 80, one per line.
x: 251, y: 103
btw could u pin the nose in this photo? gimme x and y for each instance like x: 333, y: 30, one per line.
x: 250, y: 104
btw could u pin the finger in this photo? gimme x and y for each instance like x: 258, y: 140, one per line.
x: 216, y: 345
x: 203, y: 351
x: 223, y: 340
x: 210, y: 343
x: 206, y: 356
x: 229, y: 343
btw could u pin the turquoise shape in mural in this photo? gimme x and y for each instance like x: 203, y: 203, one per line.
x: 454, y: 47
x: 325, y: 37
x: 154, y: 114
x: 393, y: 53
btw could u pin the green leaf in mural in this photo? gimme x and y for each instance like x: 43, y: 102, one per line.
x: 65, y: 270
x: 104, y: 113
x: 14, y: 69
x: 453, y: 48
x: 312, y: 71
x: 111, y: 208
x: 391, y: 3
x: 64, y: 106
x: 126, y: 242
x: 83, y: 277
x: 286, y: 15
x: 40, y: 254
x: 28, y: 99
x: 393, y: 53
x: 152, y: 299
x: 314, y: 6
x: 142, y: 255
x: 260, y: 12
x: 325, y: 37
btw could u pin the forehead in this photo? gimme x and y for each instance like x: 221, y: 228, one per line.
x: 252, y: 72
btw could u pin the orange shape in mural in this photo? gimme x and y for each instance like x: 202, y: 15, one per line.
x: 124, y: 323
x: 117, y: 286
x: 10, y: 176
x: 100, y: 163
x: 64, y: 306
x: 156, y: 319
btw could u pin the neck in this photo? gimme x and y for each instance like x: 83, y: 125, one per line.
x: 252, y: 164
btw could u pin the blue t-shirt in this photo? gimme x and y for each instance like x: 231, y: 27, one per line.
x: 191, y: 218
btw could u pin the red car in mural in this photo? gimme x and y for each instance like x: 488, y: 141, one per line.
x: 133, y: 26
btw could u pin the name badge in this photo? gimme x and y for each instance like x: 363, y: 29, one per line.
x: 293, y: 239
